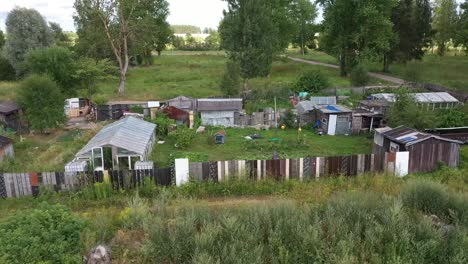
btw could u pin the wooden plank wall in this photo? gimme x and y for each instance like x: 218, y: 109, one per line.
x: 14, y: 185
x: 300, y: 169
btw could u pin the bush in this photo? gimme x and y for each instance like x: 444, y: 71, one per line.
x: 42, y: 102
x: 163, y: 123
x: 231, y: 81
x: 359, y: 76
x: 289, y: 119
x: 311, y: 81
x: 183, y: 137
x: 48, y: 234
x: 7, y: 72
x: 429, y: 197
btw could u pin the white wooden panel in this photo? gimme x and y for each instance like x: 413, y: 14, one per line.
x: 332, y: 125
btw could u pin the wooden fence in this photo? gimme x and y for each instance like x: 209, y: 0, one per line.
x: 26, y: 184
x: 301, y: 169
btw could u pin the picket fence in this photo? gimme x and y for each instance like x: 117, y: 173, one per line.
x: 13, y: 185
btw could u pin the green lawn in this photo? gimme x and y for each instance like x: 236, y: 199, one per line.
x: 313, y: 55
x: 237, y: 147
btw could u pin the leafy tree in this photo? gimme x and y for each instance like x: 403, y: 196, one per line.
x: 42, y: 102
x: 231, y: 81
x: 26, y: 30
x: 304, y: 13
x: 88, y: 72
x: 354, y: 30
x: 60, y: 38
x: 153, y: 32
x: 249, y: 36
x: 311, y: 81
x: 461, y: 35
x: 2, y: 40
x: 57, y: 62
x: 177, y: 42
x: 445, y: 20
x: 451, y: 118
x: 213, y: 40
x: 119, y: 22
x: 47, y: 234
x: 405, y: 111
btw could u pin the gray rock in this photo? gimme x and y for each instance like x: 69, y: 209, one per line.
x: 99, y: 255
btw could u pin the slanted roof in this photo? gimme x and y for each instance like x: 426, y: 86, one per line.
x: 130, y: 133
x: 439, y: 97
x: 408, y: 136
x: 7, y: 107
x: 323, y: 100
x: 333, y: 109
x: 375, y: 103
x: 180, y: 98
x: 5, y: 141
x: 229, y: 104
x: 304, y: 107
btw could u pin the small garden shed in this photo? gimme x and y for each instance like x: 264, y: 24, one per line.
x: 10, y: 115
x: 120, y: 145
x: 219, y: 112
x: 424, y: 152
x: 333, y: 119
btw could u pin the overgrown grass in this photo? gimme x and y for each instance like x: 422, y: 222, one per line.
x: 46, y: 152
x: 291, y: 145
x: 336, y: 220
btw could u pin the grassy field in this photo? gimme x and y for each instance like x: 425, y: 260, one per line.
x: 291, y: 145
x: 449, y: 71
x: 334, y: 220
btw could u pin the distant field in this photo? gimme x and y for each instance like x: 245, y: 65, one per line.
x: 450, y: 71
x: 199, y: 76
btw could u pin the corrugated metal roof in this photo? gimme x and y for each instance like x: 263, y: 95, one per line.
x: 330, y: 109
x: 409, y: 136
x: 323, y: 100
x: 304, y: 107
x: 234, y: 104
x: 131, y: 134
x: 440, y: 97
x: 7, y: 107
x: 4, y: 141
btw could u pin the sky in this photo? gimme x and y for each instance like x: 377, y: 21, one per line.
x: 202, y: 13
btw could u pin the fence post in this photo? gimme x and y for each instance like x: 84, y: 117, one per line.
x: 181, y: 171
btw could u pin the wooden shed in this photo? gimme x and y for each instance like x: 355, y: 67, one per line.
x: 183, y: 103
x: 219, y: 112
x: 425, y: 151
x: 333, y: 119
x: 10, y: 115
x: 6, y: 148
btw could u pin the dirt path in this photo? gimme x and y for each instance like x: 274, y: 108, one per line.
x: 380, y: 76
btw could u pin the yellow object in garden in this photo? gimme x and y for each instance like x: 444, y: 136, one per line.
x: 283, y: 127
x: 300, y: 129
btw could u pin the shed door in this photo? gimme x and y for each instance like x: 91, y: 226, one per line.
x: 98, y: 158
x: 343, y: 125
x: 332, y: 125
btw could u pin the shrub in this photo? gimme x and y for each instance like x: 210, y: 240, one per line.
x: 231, y: 80
x: 289, y: 119
x: 42, y: 102
x: 163, y: 123
x: 136, y: 213
x: 359, y: 76
x: 7, y: 72
x: 48, y: 234
x: 183, y: 137
x: 311, y: 81
x: 429, y: 197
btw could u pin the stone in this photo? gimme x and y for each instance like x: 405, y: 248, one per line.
x: 99, y: 255
x: 201, y: 129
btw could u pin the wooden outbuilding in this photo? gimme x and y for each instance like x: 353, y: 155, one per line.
x: 333, y: 119
x: 424, y: 151
x: 10, y: 115
x: 219, y: 112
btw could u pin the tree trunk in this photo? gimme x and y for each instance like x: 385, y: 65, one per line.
x: 159, y: 53
x: 122, y: 80
x: 246, y: 85
x: 343, y: 64
x: 386, y: 64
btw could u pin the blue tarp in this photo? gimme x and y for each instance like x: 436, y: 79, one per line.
x: 332, y: 108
